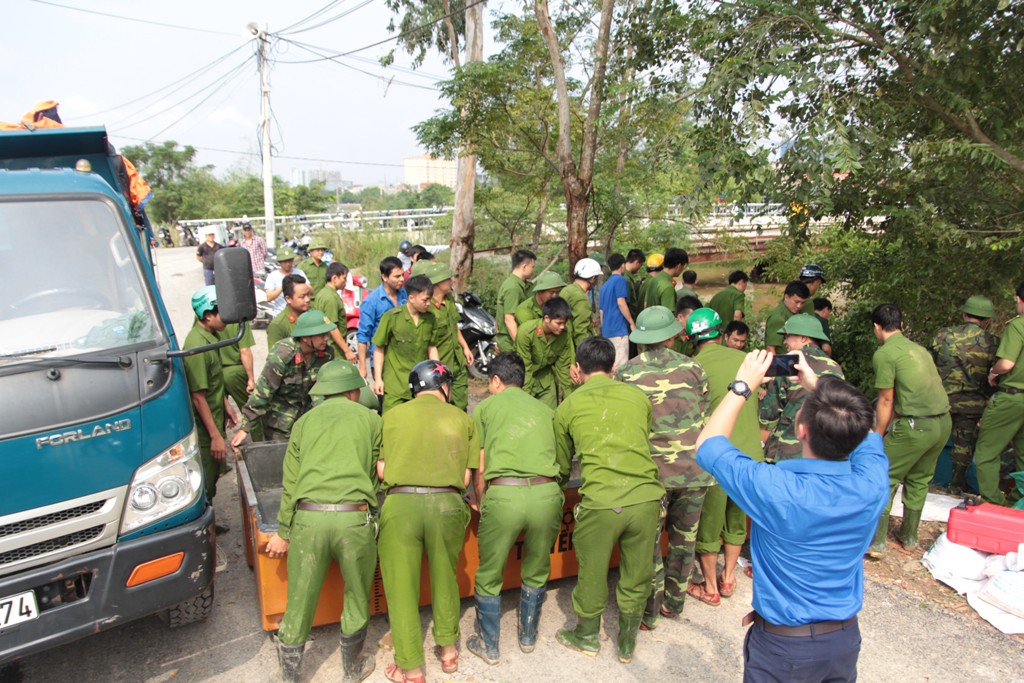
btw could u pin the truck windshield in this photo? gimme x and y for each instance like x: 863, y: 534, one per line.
x: 71, y: 282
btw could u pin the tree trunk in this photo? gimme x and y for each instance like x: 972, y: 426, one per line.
x: 538, y: 224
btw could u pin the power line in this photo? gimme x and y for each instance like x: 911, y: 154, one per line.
x: 330, y: 20
x: 355, y: 68
x: 326, y: 8
x: 140, y: 21
x: 366, y: 60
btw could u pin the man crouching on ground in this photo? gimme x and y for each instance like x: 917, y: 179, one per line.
x: 813, y: 518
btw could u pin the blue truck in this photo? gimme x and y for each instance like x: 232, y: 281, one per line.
x: 103, y: 518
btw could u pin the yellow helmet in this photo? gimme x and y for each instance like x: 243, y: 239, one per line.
x: 655, y: 261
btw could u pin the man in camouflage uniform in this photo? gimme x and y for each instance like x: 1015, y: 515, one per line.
x: 678, y: 390
x: 785, y: 395
x: 282, y: 391
x: 963, y: 356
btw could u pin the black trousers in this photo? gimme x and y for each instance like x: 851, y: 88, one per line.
x: 828, y: 658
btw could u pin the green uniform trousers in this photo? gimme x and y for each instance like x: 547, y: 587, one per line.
x: 597, y: 533
x: 720, y: 520
x: 507, y: 511
x: 545, y: 388
x: 1001, y: 424
x: 460, y: 387
x: 409, y: 524
x: 211, y: 471
x: 680, y: 516
x: 965, y: 434
x: 235, y: 382
x: 913, y: 452
x: 316, y: 539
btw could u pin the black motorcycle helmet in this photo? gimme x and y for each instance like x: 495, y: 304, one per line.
x: 404, y: 246
x: 431, y: 375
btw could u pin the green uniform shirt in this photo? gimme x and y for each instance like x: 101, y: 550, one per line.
x: 963, y: 356
x: 317, y: 274
x: 727, y: 302
x: 582, y: 324
x: 824, y: 326
x: 721, y: 364
x: 684, y: 347
x: 776, y: 320
x: 633, y: 280
x: 528, y: 310
x: 511, y: 292
x: 232, y: 355
x: 543, y: 356
x: 517, y: 433
x: 203, y: 372
x: 428, y: 442
x: 606, y: 424
x: 686, y: 290
x: 808, y: 306
x: 405, y: 344
x: 661, y: 292
x: 680, y: 401
x: 331, y: 458
x: 908, y: 368
x: 446, y: 337
x: 281, y: 327
x: 281, y: 395
x: 328, y: 301
x: 1012, y: 348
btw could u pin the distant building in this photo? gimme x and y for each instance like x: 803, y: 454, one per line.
x: 426, y: 170
x: 331, y: 179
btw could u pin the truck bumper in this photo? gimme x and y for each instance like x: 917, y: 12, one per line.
x: 83, y: 595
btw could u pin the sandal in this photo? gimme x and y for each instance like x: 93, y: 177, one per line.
x: 696, y: 590
x: 668, y: 613
x: 450, y: 665
x: 749, y: 571
x: 393, y: 672
x: 726, y: 588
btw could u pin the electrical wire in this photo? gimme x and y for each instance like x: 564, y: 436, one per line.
x: 233, y: 75
x: 362, y: 71
x: 330, y: 20
x: 366, y: 60
x: 326, y: 8
x: 140, y: 21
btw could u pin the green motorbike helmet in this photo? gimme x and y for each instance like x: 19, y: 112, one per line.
x: 703, y: 324
x: 204, y: 300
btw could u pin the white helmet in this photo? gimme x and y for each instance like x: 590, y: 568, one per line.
x: 587, y: 268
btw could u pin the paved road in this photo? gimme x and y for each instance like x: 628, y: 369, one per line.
x: 904, y: 640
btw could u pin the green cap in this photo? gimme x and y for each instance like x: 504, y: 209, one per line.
x: 337, y: 377
x: 703, y: 324
x: 311, y: 323
x: 421, y: 267
x: 439, y: 272
x: 655, y: 325
x: 979, y: 307
x: 548, y: 280
x: 285, y: 254
x: 204, y: 300
x: 319, y: 243
x: 805, y: 325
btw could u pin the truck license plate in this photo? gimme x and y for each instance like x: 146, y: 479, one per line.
x: 18, y: 608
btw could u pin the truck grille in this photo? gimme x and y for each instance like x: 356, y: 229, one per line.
x: 47, y: 520
x: 51, y: 545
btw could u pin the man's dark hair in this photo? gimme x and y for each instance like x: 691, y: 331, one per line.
x: 521, y: 256
x: 288, y: 284
x: 821, y: 303
x: 674, y: 256
x: 888, y: 316
x: 419, y: 283
x: 736, y: 327
x: 616, y: 261
x: 596, y: 354
x: 687, y: 303
x: 1020, y: 291
x: 738, y: 276
x: 690, y: 277
x: 388, y: 264
x: 335, y: 269
x: 634, y: 255
x: 418, y: 252
x: 837, y: 418
x: 797, y: 288
x: 509, y: 368
x: 556, y: 308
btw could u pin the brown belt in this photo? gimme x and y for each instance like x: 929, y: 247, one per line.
x: 331, y: 507
x: 818, y: 628
x: 1010, y: 390
x: 519, y: 481
x: 423, y: 489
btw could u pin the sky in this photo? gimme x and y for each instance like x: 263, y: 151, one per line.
x: 195, y: 79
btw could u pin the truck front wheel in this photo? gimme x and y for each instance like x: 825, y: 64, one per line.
x: 192, y: 610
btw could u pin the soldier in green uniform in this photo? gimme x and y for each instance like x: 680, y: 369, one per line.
x: 205, y: 378
x: 723, y: 525
x: 912, y: 414
x: 684, y: 307
x: 635, y: 275
x: 661, y: 288
x: 406, y: 336
x: 546, y: 287
x: 314, y: 266
x: 1002, y: 422
x: 964, y: 354
x: 730, y: 302
x: 519, y: 483
x: 686, y: 288
x: 678, y: 390
x: 823, y: 311
x: 282, y: 390
x: 606, y: 425
x: 510, y: 294
x: 793, y: 299
x: 546, y: 348
x: 736, y: 335
x: 452, y: 349
x: 297, y: 297
x: 329, y: 494
x: 328, y: 301
x: 577, y: 295
x: 428, y: 452
x: 655, y: 264
x: 237, y: 365
x: 785, y: 395
x: 814, y: 277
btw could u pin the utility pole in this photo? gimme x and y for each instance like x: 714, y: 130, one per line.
x: 268, y: 162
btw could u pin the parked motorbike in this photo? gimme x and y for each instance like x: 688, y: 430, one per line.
x: 479, y: 329
x: 352, y: 296
x: 165, y: 237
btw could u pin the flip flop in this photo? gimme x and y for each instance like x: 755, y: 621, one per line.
x: 667, y: 613
x: 450, y: 665
x: 749, y: 571
x: 393, y: 672
x: 696, y: 590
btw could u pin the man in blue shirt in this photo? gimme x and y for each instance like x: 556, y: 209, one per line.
x: 813, y: 518
x: 375, y: 305
x: 616, y: 320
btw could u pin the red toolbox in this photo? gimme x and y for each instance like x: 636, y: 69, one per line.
x: 986, y: 527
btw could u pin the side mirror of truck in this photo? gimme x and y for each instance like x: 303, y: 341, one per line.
x: 236, y: 296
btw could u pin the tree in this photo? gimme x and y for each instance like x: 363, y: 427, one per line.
x: 173, y: 175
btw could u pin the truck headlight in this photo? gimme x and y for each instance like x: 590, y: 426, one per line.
x: 166, y: 484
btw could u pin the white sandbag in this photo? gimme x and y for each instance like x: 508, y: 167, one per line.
x: 1004, y: 621
x: 1005, y: 590
x: 957, y: 566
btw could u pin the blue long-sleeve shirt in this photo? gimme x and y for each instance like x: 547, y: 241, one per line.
x: 374, y: 306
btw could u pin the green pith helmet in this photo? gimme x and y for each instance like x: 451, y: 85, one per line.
x: 285, y: 254
x: 548, y: 280
x: 204, y: 300
x: 421, y: 267
x: 337, y: 377
x: 368, y: 399
x: 979, y: 307
x: 805, y: 325
x: 439, y: 272
x: 319, y: 243
x: 655, y: 325
x: 311, y: 323
x: 703, y: 324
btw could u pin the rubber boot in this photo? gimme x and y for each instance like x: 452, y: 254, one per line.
x: 908, y: 532
x: 488, y: 629
x: 877, y: 546
x: 958, y: 482
x: 289, y: 657
x: 530, y: 601
x: 583, y: 638
x: 629, y: 625
x: 354, y: 666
